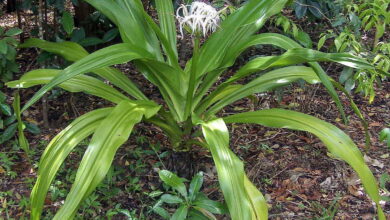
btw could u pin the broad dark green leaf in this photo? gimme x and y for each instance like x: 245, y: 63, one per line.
x: 110, y: 35
x: 32, y: 128
x: 181, y: 213
x: 195, y: 185
x: 5, y: 109
x: 90, y: 41
x: 3, y: 97
x: 8, y: 133
x: 67, y: 22
x: 3, y: 46
x: 13, y: 32
x: 173, y: 181
x: 171, y: 199
x: 212, y: 206
x: 9, y: 120
x: 161, y: 211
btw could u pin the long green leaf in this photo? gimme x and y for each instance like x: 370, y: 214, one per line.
x: 231, y: 174
x: 128, y: 16
x: 270, y: 80
x: 113, y: 131
x: 167, y: 24
x: 22, y: 139
x: 337, y: 142
x: 73, y: 52
x: 168, y: 79
x: 56, y: 152
x: 234, y: 29
x: 81, y: 83
x: 296, y: 56
x: 291, y: 57
x: 356, y: 110
x: 111, y: 55
x: 69, y: 50
x: 287, y: 43
x: 258, y: 202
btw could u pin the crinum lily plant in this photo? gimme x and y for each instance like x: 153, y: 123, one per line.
x: 192, y: 100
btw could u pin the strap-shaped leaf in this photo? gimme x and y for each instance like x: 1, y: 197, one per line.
x: 270, y: 80
x: 222, y: 93
x: 128, y: 17
x: 259, y: 204
x: 296, y: 56
x: 69, y: 50
x: 291, y: 57
x: 22, y: 139
x: 168, y: 80
x: 234, y: 29
x: 231, y: 174
x: 73, y: 52
x: 56, y: 152
x: 287, y: 43
x: 337, y: 142
x: 81, y: 83
x: 167, y: 23
x: 112, y: 132
x: 108, y: 56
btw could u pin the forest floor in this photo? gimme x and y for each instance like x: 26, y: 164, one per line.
x: 292, y: 169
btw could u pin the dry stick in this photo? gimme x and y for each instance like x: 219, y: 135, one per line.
x: 44, y: 98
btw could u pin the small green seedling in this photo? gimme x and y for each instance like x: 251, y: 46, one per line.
x: 384, y: 136
x: 192, y: 204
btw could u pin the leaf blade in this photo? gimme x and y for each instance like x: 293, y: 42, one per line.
x: 337, y: 142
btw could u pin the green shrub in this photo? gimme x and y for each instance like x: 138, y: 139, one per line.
x: 188, y: 104
x: 192, y: 203
x: 11, y: 122
x: 8, y: 65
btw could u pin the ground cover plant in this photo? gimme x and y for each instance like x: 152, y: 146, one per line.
x: 189, y: 105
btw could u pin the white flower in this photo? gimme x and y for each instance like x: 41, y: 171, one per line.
x: 200, y: 18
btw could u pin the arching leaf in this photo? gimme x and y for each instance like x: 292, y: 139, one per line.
x: 337, y: 142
